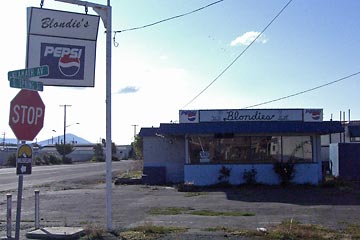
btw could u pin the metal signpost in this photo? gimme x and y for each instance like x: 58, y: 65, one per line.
x: 104, y: 11
x: 26, y: 119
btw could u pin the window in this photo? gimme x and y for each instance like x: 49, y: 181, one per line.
x: 266, y: 149
x: 297, y: 148
x: 245, y: 149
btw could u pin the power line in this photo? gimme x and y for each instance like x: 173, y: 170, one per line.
x: 242, y: 53
x: 170, y: 18
x: 305, y: 91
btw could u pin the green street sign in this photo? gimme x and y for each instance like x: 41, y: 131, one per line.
x: 29, y: 73
x: 26, y: 84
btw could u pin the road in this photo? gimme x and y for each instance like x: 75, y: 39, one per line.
x: 44, y: 175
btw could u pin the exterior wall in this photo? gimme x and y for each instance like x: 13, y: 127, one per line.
x: 165, y: 152
x: 346, y: 160
x: 202, y: 175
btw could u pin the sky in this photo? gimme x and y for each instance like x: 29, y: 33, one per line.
x: 160, y: 69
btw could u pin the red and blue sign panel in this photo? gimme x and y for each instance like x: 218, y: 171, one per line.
x: 65, y: 61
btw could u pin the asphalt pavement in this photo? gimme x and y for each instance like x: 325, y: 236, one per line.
x: 81, y: 203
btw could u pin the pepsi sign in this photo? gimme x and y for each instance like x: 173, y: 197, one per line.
x: 313, y: 115
x: 64, y: 41
x: 188, y: 116
x: 64, y: 61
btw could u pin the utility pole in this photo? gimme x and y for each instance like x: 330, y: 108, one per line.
x: 3, y: 140
x: 134, y: 130
x: 64, y: 106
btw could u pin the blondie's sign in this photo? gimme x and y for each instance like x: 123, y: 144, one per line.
x: 251, y: 115
x: 64, y: 41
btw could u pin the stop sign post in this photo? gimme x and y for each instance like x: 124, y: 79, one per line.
x: 27, y: 112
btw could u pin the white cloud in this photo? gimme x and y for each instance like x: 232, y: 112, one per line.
x: 247, y: 38
x: 128, y: 89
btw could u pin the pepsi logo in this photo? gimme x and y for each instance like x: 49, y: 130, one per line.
x: 64, y: 61
x: 316, y: 115
x: 69, y: 66
x: 191, y: 115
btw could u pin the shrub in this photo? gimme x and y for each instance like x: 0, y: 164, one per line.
x: 51, y: 159
x: 38, y: 161
x: 224, y: 174
x: 67, y: 160
x: 250, y: 176
x: 11, y: 161
x: 285, y: 171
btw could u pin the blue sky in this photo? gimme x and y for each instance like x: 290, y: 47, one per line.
x: 157, y: 70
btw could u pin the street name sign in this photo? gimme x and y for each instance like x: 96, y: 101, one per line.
x: 27, y: 73
x: 26, y: 84
x: 24, y: 159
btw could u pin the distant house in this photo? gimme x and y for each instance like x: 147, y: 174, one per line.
x: 204, y: 141
x: 123, y: 151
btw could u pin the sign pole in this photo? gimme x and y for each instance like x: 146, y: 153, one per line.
x: 104, y: 11
x: 18, y: 207
x: 108, y: 120
x: 18, y: 204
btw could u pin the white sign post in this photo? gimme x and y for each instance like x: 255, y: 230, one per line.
x: 104, y: 12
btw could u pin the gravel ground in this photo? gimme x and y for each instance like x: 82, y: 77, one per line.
x: 81, y: 203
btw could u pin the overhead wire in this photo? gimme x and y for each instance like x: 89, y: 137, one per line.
x: 305, y: 91
x: 170, y: 18
x: 242, y: 53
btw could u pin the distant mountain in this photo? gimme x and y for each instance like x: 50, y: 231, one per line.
x: 57, y: 139
x: 69, y: 138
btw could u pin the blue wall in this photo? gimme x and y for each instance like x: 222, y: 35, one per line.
x: 202, y: 175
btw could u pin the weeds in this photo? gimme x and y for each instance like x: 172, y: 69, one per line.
x: 149, y: 232
x: 191, y: 211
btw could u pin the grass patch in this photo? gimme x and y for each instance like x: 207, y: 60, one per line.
x: 194, y: 194
x: 168, y: 211
x: 353, y: 230
x: 150, y: 232
x: 220, y: 213
x: 191, y: 211
x: 131, y: 174
x: 93, y: 233
x: 293, y: 230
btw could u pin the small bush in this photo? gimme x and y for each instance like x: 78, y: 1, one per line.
x: 67, y: 160
x: 51, y: 159
x: 285, y: 171
x: 38, y: 161
x: 224, y: 174
x: 11, y: 161
x: 250, y: 176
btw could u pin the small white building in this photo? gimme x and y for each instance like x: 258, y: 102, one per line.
x: 204, y: 141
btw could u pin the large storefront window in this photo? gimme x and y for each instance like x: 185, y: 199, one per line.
x: 245, y: 149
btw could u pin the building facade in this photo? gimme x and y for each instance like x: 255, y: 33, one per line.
x: 204, y: 142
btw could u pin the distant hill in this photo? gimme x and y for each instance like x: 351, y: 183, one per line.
x: 56, y: 139
x: 69, y: 138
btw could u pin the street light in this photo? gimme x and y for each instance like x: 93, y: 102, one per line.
x: 67, y: 127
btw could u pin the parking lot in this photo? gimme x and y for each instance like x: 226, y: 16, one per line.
x: 82, y: 203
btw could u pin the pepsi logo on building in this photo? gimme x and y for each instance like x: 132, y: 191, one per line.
x: 64, y: 61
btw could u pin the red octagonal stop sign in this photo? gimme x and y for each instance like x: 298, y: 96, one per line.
x: 27, y: 112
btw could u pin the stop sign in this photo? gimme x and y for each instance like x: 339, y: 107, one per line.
x: 27, y: 112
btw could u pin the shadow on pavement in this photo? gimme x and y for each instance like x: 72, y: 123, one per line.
x: 297, y: 194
